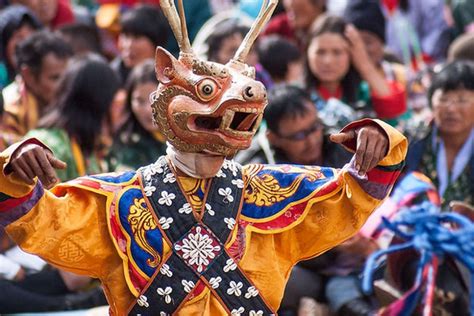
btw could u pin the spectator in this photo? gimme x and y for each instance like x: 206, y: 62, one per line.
x: 77, y: 129
x: 417, y: 30
x: 368, y: 18
x: 294, y: 134
x: 138, y: 141
x: 282, y: 59
x: 339, y: 70
x: 444, y: 152
x: 16, y: 23
x: 52, y: 13
x: 41, y: 59
x: 463, y: 15
x: 82, y: 38
x: 142, y: 29
x: 6, y: 139
x: 462, y: 48
x: 296, y: 21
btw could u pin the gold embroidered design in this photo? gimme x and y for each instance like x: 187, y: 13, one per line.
x: 71, y: 249
x: 141, y: 220
x: 265, y: 190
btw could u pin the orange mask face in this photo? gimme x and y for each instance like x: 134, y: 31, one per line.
x: 206, y: 107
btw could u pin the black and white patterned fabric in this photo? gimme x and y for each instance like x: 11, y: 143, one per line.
x: 198, y: 244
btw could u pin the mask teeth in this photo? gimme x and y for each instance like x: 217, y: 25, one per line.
x: 227, y: 119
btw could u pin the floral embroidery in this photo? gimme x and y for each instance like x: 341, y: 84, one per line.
x: 251, y: 292
x: 220, y: 174
x: 239, y: 183
x: 209, y: 209
x: 169, y: 178
x: 234, y: 288
x: 237, y: 312
x: 197, y: 248
x: 166, y: 198
x: 142, y: 301
x: 188, y: 286
x: 230, y: 265
x: 254, y: 313
x: 165, y: 222
x: 230, y: 222
x: 149, y: 190
x: 227, y: 194
x: 186, y: 209
x: 165, y: 270
x: 165, y: 293
x: 215, y: 282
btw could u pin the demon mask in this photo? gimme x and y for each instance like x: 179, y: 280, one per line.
x: 206, y: 107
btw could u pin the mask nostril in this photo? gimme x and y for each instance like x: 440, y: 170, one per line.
x: 248, y: 92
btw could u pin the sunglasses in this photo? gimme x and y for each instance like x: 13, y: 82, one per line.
x: 301, y: 135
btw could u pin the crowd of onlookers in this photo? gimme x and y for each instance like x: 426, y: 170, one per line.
x: 78, y: 74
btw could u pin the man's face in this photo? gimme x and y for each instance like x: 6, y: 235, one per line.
x: 300, y: 137
x: 374, y: 46
x: 453, y: 111
x: 135, y: 49
x: 44, y: 83
x: 301, y: 13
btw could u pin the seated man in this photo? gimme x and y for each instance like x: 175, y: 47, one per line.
x: 294, y: 133
x: 195, y: 233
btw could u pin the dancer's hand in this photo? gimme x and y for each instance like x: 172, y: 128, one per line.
x: 31, y: 160
x: 372, y: 146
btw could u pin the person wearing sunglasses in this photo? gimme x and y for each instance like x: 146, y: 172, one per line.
x: 293, y: 133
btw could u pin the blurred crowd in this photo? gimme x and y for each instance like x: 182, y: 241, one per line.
x: 79, y: 76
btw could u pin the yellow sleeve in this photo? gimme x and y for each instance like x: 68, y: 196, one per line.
x: 66, y: 226
x: 331, y: 220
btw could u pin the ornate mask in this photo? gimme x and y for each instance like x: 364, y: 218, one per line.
x: 206, y: 107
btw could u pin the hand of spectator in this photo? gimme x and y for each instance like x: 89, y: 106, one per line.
x: 31, y: 160
x: 372, y: 146
x: 360, y: 57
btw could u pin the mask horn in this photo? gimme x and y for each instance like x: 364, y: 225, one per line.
x: 177, y: 23
x: 257, y: 26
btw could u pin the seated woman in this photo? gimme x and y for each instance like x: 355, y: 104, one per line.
x: 445, y: 151
x: 138, y: 141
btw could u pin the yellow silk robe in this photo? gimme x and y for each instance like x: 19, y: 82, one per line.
x: 69, y: 226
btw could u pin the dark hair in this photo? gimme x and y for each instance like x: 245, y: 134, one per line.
x: 13, y: 18
x: 275, y: 53
x: 1, y: 104
x: 142, y: 73
x: 32, y: 50
x: 285, y: 101
x: 148, y: 21
x: 223, y: 30
x: 85, y: 96
x: 454, y: 76
x: 350, y: 82
x: 82, y: 37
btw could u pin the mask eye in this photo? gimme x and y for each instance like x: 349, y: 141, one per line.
x: 207, y: 89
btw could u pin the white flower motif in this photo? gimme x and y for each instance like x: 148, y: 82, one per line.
x: 149, y: 190
x: 238, y: 183
x: 197, y: 249
x: 251, y: 292
x: 209, y: 209
x: 230, y: 222
x: 215, y: 282
x: 151, y: 170
x: 220, y: 174
x: 254, y: 313
x: 161, y: 161
x: 188, y: 286
x: 166, y: 198
x: 169, y: 178
x: 165, y: 270
x: 227, y: 194
x: 163, y: 314
x: 237, y: 312
x: 230, y: 265
x: 165, y: 293
x: 142, y: 301
x: 165, y: 222
x: 234, y: 288
x: 186, y: 209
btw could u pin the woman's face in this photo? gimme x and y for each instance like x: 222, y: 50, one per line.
x: 328, y: 57
x: 141, y: 107
x: 453, y: 111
